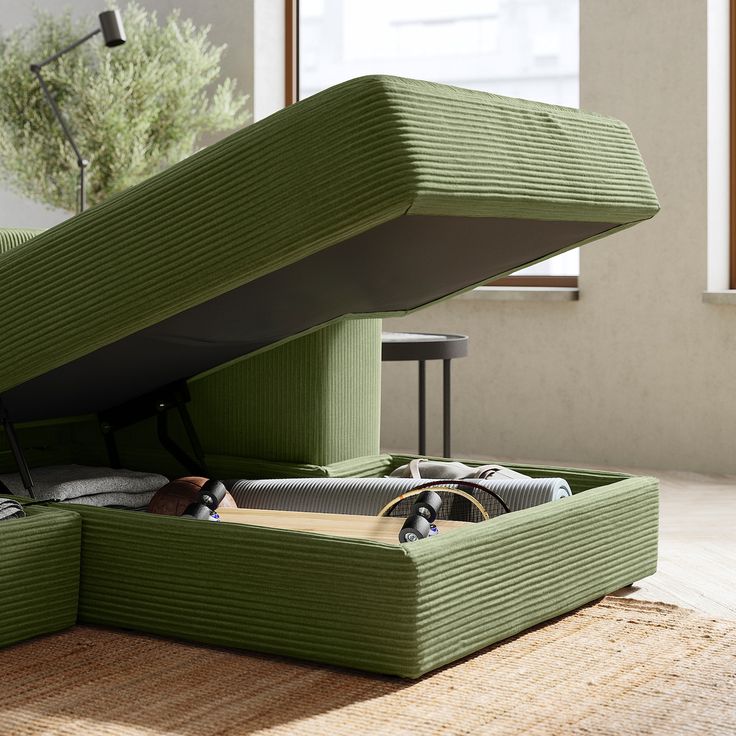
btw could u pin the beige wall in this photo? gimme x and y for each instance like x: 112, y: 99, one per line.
x: 639, y: 372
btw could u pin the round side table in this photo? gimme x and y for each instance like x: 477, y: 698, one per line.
x: 422, y: 347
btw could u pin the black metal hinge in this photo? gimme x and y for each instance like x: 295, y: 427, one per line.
x: 157, y: 404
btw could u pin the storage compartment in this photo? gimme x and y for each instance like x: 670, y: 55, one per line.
x: 39, y: 573
x: 373, y: 212
x: 390, y: 608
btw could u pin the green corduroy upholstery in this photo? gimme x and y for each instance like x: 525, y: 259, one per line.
x: 313, y: 400
x: 396, y: 609
x: 310, y: 176
x: 39, y: 573
x: 337, y: 165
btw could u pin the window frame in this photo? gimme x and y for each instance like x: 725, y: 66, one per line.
x: 732, y: 145
x: 291, y: 47
x: 291, y: 95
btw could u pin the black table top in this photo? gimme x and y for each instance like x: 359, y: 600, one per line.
x: 422, y: 346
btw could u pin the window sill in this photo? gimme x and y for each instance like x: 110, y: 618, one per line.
x: 522, y: 294
x: 720, y: 297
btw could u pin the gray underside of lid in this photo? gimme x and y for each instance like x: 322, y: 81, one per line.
x: 400, y: 265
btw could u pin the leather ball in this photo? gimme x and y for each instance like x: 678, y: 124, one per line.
x: 174, y: 497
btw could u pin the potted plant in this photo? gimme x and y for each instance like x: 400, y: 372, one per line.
x: 133, y: 112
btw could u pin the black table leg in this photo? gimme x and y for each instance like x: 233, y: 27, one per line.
x: 446, y: 400
x: 424, y: 347
x: 422, y: 407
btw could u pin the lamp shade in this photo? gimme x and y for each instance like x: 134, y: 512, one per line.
x: 111, y: 25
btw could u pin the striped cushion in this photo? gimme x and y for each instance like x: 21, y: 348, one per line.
x: 11, y: 238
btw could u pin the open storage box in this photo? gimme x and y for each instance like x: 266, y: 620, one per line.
x: 396, y: 609
x: 247, y: 271
x: 39, y: 573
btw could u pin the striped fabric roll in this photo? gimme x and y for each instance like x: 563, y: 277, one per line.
x: 369, y: 495
x: 525, y: 493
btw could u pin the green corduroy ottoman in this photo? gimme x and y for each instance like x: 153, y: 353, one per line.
x: 39, y: 573
x: 377, y: 197
x: 395, y: 609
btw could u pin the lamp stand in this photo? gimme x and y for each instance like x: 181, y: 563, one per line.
x: 82, y: 162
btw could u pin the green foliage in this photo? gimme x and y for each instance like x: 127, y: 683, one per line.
x: 134, y: 109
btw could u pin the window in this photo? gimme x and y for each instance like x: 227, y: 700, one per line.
x: 732, y: 141
x: 519, y: 48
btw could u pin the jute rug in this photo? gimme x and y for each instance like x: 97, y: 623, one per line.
x: 616, y: 667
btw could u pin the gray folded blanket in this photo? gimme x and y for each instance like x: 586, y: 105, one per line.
x: 89, y: 485
x: 369, y: 495
x: 10, y: 509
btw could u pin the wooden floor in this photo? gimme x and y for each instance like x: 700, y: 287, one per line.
x: 697, y: 553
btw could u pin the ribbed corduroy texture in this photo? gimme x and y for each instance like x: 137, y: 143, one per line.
x: 386, y: 608
x: 320, y: 598
x: 309, y: 176
x: 39, y: 573
x: 12, y: 237
x: 313, y: 400
x: 500, y: 577
x: 482, y: 154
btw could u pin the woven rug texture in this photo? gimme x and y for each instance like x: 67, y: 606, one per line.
x: 617, y: 667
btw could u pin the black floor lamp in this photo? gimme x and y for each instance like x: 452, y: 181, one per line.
x: 111, y: 27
